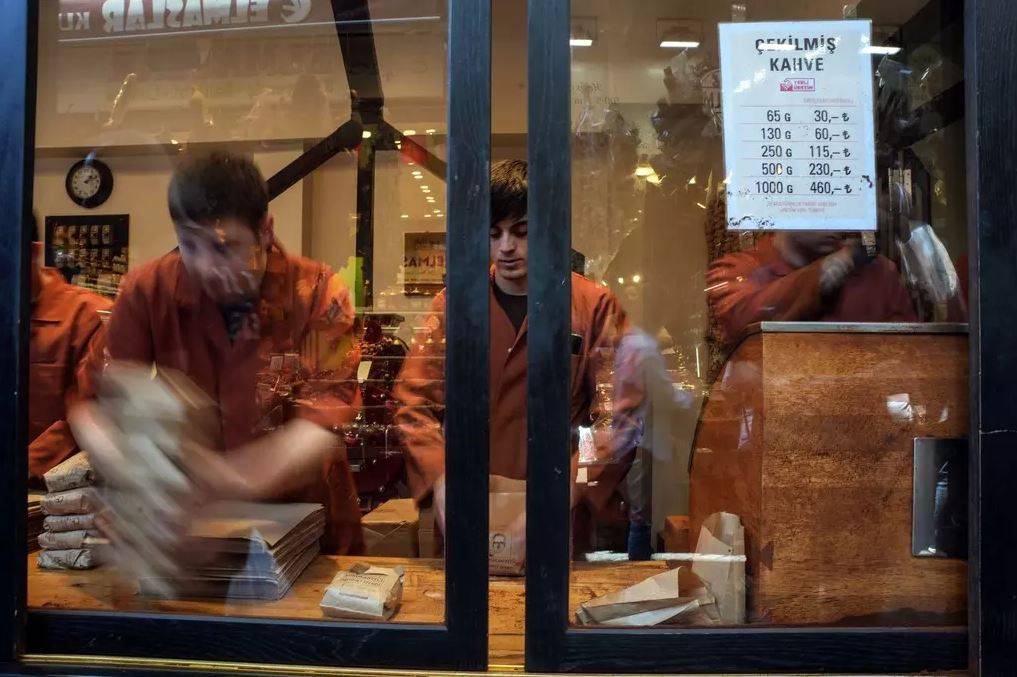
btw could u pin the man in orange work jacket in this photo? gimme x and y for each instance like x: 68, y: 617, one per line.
x: 802, y: 276
x: 65, y: 321
x: 597, y: 325
x: 239, y: 316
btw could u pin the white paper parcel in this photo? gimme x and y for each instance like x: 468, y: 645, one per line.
x: 722, y: 534
x: 365, y: 592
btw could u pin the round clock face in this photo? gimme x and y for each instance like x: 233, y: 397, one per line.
x: 89, y: 182
x: 85, y: 182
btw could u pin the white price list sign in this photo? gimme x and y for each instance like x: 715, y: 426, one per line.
x: 799, y: 144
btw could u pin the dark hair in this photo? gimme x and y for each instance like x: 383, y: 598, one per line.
x: 206, y: 188
x: 508, y: 190
x: 35, y: 228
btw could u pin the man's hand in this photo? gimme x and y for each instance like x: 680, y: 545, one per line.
x: 835, y: 269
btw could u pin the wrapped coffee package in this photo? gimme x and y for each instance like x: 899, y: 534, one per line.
x: 364, y: 592
x: 506, y: 537
x: 70, y: 502
x: 57, y: 523
x: 82, y: 558
x: 69, y: 540
x: 74, y: 473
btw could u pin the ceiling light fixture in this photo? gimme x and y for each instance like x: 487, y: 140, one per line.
x: 679, y: 44
x: 881, y: 50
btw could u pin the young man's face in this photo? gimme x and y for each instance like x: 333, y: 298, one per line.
x: 508, y: 250
x: 226, y: 258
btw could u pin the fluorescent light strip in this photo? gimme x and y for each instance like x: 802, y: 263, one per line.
x: 884, y: 50
x: 211, y: 31
x: 776, y: 47
x: 678, y: 44
x: 580, y: 42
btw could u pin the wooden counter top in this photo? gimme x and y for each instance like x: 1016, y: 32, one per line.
x: 423, y: 595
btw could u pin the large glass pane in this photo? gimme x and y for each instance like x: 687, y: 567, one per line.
x: 291, y: 427
x: 770, y: 409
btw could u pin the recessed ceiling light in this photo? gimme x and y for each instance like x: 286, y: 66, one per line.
x: 430, y: 131
x: 409, y: 132
x: 366, y: 134
x: 679, y: 44
x: 881, y: 50
x: 580, y: 42
x: 404, y: 216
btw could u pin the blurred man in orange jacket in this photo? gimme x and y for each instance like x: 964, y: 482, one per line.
x: 233, y: 311
x: 65, y: 321
x: 800, y: 276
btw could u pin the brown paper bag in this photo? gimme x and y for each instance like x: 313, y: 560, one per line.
x: 722, y: 534
x: 391, y: 529
x: 507, y: 529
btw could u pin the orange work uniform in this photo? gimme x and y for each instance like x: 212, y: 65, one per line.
x: 295, y: 357
x: 758, y: 285
x: 65, y: 321
x: 598, y: 321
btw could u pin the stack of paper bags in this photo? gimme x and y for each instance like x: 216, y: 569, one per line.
x: 674, y: 596
x: 69, y: 539
x: 240, y: 550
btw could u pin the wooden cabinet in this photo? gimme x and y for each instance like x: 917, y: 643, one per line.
x: 808, y: 435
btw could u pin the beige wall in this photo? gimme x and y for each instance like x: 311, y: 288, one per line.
x: 139, y: 190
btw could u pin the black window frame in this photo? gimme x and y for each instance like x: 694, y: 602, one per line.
x: 989, y: 643
x: 461, y: 643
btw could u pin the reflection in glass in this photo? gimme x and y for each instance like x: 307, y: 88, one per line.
x: 772, y: 465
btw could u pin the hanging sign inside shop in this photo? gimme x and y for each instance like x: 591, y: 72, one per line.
x: 424, y: 264
x: 105, y: 18
x: 798, y: 125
